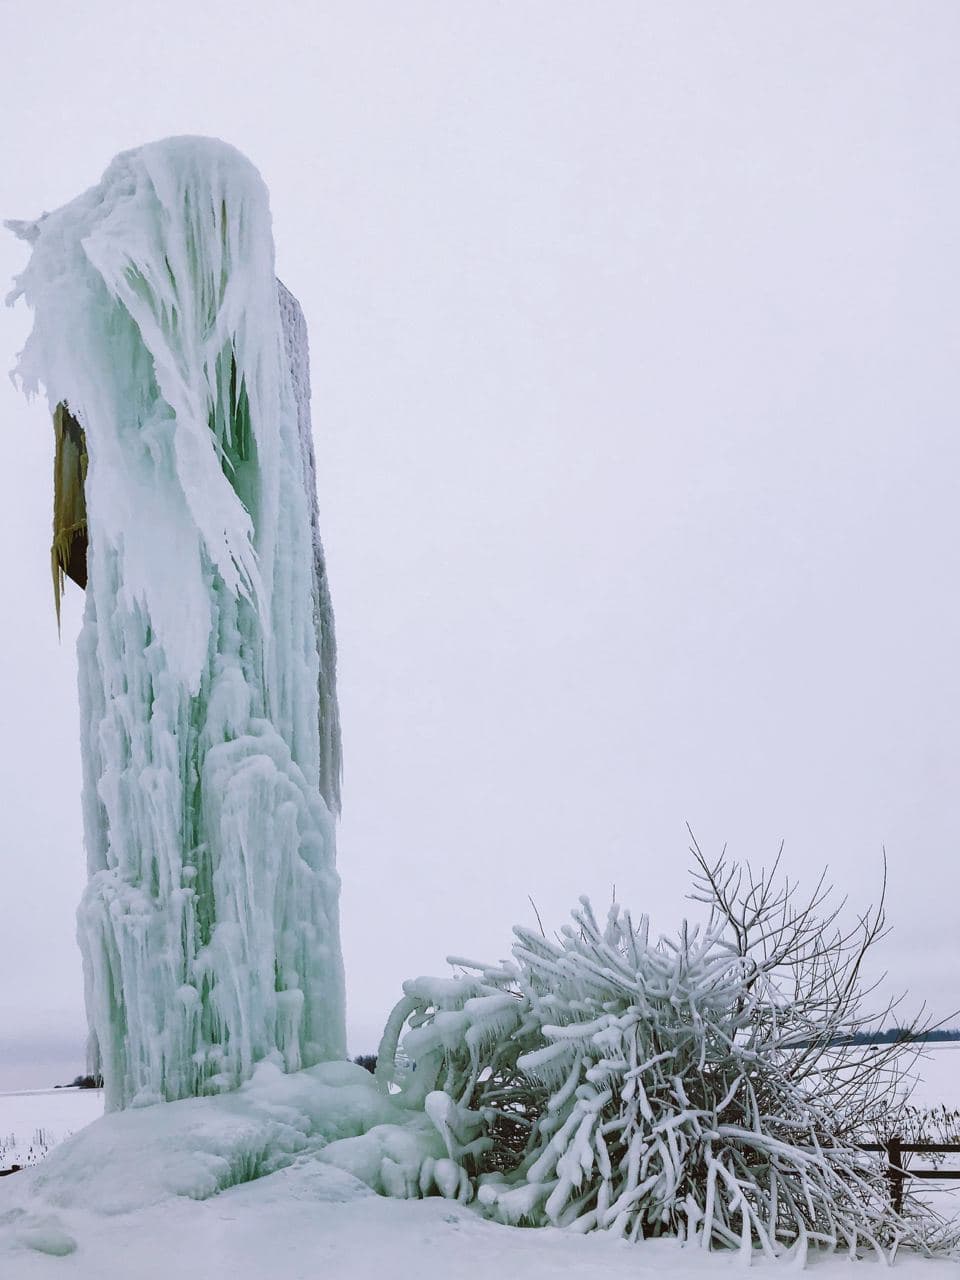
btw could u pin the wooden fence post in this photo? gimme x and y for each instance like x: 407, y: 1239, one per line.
x: 895, y: 1174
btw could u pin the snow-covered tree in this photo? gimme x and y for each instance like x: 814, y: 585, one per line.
x: 701, y: 1086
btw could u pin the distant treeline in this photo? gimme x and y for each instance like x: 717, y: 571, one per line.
x: 83, y: 1082
x: 893, y: 1035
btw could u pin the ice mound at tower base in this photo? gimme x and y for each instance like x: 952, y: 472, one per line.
x: 334, y: 1114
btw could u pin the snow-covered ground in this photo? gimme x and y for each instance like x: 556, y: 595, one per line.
x: 119, y: 1203
x: 311, y: 1221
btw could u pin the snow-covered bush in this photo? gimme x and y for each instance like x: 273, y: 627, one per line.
x: 691, y: 1086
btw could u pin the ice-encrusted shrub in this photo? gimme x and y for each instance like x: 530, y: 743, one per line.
x: 690, y: 1086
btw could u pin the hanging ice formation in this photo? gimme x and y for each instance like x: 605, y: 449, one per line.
x: 209, y: 730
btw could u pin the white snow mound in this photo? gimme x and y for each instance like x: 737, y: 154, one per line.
x: 129, y: 1161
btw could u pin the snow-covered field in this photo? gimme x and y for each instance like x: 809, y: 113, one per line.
x: 38, y: 1119
x: 938, y: 1077
x: 119, y: 1206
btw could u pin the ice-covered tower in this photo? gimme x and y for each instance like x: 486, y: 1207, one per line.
x: 210, y: 737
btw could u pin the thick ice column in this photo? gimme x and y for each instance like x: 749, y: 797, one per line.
x: 298, y: 357
x: 210, y: 738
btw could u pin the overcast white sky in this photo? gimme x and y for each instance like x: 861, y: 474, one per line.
x: 636, y: 346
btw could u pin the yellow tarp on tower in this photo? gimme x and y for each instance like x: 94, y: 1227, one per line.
x: 69, y: 551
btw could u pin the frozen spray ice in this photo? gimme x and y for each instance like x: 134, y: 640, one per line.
x: 209, y: 730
